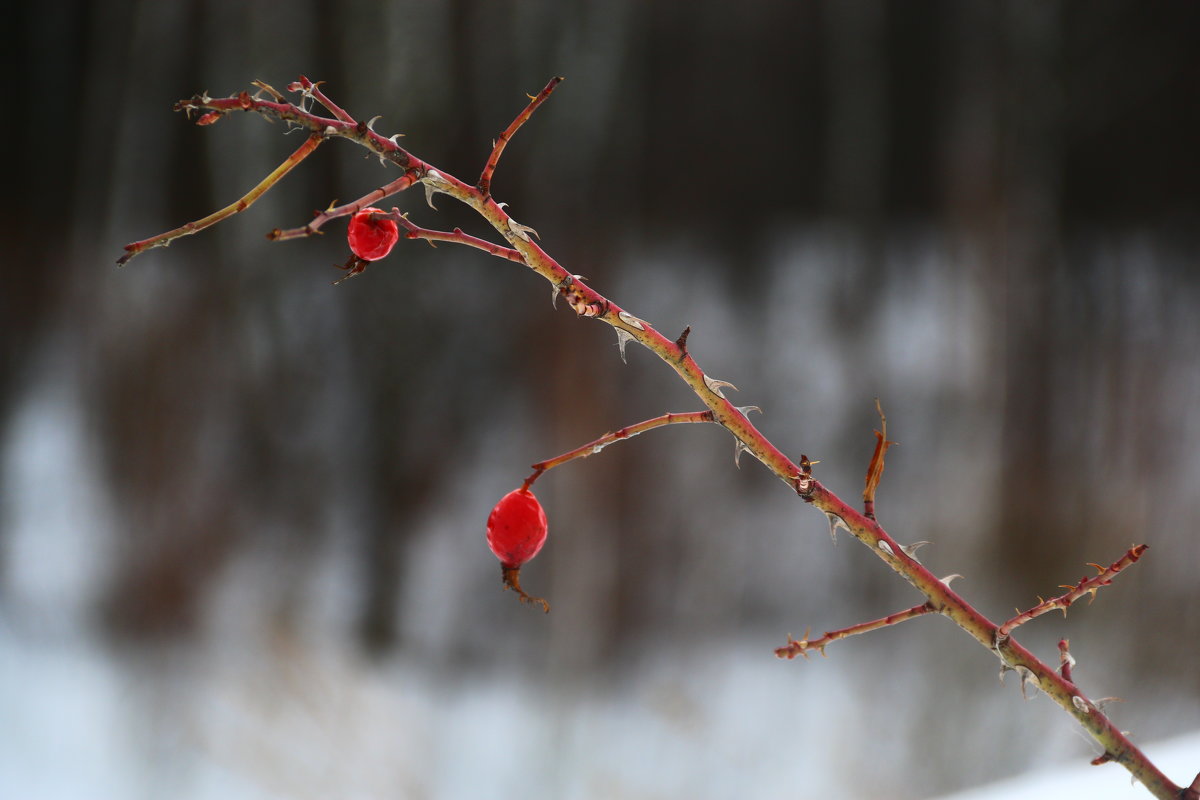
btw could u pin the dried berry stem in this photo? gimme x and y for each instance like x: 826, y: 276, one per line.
x: 800, y: 647
x: 512, y: 580
x: 629, y: 431
x: 1088, y: 586
x: 586, y: 302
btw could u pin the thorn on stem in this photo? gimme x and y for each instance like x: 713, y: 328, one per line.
x: 739, y: 447
x: 1027, y: 678
x: 623, y: 338
x: 835, y: 522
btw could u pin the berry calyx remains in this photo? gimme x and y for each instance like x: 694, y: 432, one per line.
x: 371, y: 239
x: 516, y: 531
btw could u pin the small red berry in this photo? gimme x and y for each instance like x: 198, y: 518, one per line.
x: 371, y: 239
x: 516, y: 528
x: 516, y: 531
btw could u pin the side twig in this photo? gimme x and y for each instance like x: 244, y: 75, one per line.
x: 484, y: 184
x: 628, y: 432
x: 456, y: 236
x: 247, y: 200
x: 1088, y: 586
x: 800, y: 647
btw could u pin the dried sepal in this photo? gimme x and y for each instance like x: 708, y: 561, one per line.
x: 512, y: 580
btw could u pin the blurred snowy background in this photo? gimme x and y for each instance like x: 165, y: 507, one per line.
x: 241, y: 510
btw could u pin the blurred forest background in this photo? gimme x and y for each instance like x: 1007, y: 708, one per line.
x: 241, y: 515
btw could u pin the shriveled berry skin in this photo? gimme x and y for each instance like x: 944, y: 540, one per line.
x: 516, y: 528
x: 372, y: 239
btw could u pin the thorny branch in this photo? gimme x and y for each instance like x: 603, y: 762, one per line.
x: 586, y: 302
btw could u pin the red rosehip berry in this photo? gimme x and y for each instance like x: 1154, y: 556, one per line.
x: 516, y: 531
x: 372, y: 239
x: 516, y: 528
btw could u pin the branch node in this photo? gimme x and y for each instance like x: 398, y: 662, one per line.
x: 804, y: 483
x: 1066, y: 661
x: 681, y: 342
